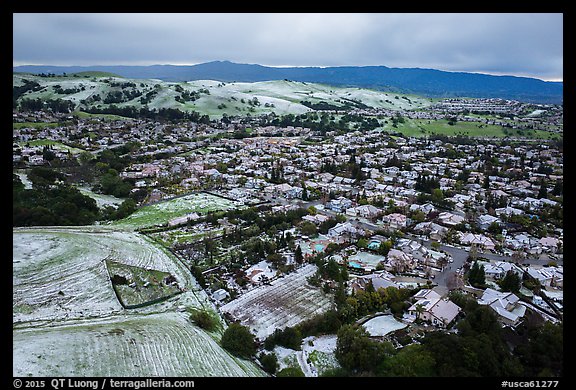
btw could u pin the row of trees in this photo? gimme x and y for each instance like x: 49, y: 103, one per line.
x: 55, y: 105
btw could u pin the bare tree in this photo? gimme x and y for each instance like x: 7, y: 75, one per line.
x: 454, y: 281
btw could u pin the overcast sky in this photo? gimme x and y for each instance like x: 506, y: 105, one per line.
x: 521, y: 44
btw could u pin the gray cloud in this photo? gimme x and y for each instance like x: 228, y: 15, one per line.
x: 517, y: 44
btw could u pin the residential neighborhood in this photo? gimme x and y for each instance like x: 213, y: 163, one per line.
x: 419, y: 214
x: 252, y: 196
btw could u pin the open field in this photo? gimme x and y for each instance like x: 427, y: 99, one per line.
x: 67, y: 320
x: 35, y: 125
x: 162, y: 212
x: 102, y: 200
x: 425, y: 127
x: 285, y: 302
x: 163, y: 344
x: 110, y: 117
x: 55, y: 145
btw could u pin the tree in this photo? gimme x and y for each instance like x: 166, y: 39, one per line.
x: 125, y: 209
x: 304, y: 191
x: 543, y: 191
x: 558, y: 188
x: 476, y: 276
x: 308, y: 229
x: 511, y: 282
x: 419, y: 310
x: 437, y: 196
x: 203, y: 319
x: 298, y: 257
x: 544, y: 355
x: 238, y: 340
x: 453, y: 281
x: 269, y: 362
x: 355, y: 351
x: 411, y: 361
x: 290, y: 372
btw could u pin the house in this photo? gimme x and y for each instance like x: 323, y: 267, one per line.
x: 547, y: 276
x: 478, y: 240
x: 370, y: 184
x: 424, y: 256
x: 285, y: 190
x: 550, y: 244
x: 220, y: 295
x: 413, y: 248
x: 460, y: 200
x: 325, y: 177
x: 484, y: 221
x: 520, y: 241
x: 432, y: 230
x: 340, y: 204
x: 508, y: 211
x: 365, y: 211
x: 316, y: 219
x: 343, y: 231
x: 400, y: 261
x: 497, y: 270
x: 260, y: 273
x: 284, y: 208
x: 450, y: 219
x: 395, y: 220
x: 380, y: 279
x: 505, y: 304
x: 36, y: 159
x: 430, y: 307
x: 425, y: 208
x: 294, y: 193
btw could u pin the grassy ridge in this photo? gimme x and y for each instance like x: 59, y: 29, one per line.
x: 216, y: 98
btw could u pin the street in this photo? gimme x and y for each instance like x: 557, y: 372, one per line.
x: 458, y: 254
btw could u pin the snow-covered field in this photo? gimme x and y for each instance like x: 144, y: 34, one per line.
x: 285, y: 302
x: 68, y: 321
x: 162, y: 212
x: 101, y: 199
x: 163, y: 344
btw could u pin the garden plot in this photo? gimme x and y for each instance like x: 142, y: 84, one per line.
x: 137, y: 287
x: 186, y: 234
x: 164, y: 344
x: 315, y: 358
x: 161, y: 213
x: 285, y: 302
x: 319, y: 354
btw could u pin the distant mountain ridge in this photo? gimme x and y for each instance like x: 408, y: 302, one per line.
x: 427, y: 82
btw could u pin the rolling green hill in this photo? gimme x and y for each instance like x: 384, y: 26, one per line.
x: 213, y: 98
